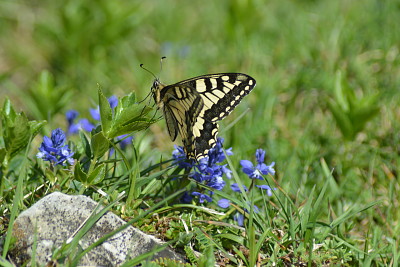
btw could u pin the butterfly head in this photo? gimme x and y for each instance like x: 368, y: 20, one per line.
x: 156, y: 91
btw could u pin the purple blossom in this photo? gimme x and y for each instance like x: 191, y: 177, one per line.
x: 53, y: 149
x: 216, y: 182
x: 95, y: 112
x: 179, y: 158
x: 125, y: 141
x: 235, y: 187
x: 207, y: 171
x: 82, y: 124
x: 113, y: 100
x: 239, y: 218
x: 186, y: 198
x: 256, y: 172
x: 226, y: 171
x: 202, y: 197
x: 266, y: 188
x: 224, y: 203
x: 71, y: 115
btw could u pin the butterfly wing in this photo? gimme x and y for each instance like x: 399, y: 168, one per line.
x: 220, y: 94
x: 182, y: 105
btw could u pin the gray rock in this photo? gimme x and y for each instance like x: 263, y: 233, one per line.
x: 58, y: 216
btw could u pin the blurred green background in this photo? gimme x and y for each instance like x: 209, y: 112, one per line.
x: 328, y: 80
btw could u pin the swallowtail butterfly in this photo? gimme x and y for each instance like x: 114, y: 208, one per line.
x: 192, y: 107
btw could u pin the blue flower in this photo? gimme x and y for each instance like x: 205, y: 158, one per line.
x: 186, y: 198
x: 207, y: 171
x: 83, y: 124
x: 226, y: 171
x: 235, y: 187
x: 71, y: 115
x: 202, y: 197
x: 95, y: 112
x: 239, y: 217
x: 73, y: 127
x: 54, y: 149
x: 223, y: 203
x: 266, y: 188
x: 216, y: 182
x: 125, y: 141
x: 179, y: 158
x: 216, y: 154
x: 256, y: 172
x: 113, y: 100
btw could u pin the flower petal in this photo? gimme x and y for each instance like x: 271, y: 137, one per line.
x: 224, y: 203
x: 113, y: 100
x: 260, y: 155
x: 248, y: 167
x: 235, y: 187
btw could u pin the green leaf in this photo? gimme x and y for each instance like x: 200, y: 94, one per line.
x: 351, y: 113
x: 79, y: 174
x: 339, y: 93
x: 232, y: 237
x: 134, y: 126
x: 86, y: 144
x: 129, y: 117
x: 44, y: 98
x: 3, y: 153
x: 100, y: 144
x: 8, y: 111
x: 97, y: 175
x: 105, y: 113
x: 208, y: 258
x: 17, y: 136
x: 35, y: 127
x: 17, y: 130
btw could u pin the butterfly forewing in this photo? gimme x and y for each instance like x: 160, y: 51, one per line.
x: 221, y: 92
x: 192, y: 107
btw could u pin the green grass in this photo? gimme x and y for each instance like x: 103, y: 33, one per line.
x: 325, y: 108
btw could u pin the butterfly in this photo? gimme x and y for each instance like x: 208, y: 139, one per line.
x: 193, y: 107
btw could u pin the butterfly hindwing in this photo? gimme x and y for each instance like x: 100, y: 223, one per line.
x: 192, y: 107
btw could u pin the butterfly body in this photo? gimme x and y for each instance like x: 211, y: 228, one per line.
x: 192, y: 107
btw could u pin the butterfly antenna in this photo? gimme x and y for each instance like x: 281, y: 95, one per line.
x: 161, y: 61
x: 152, y: 74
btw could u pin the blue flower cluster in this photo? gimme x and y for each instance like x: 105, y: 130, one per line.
x: 55, y: 150
x: 207, y: 171
x: 86, y: 125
